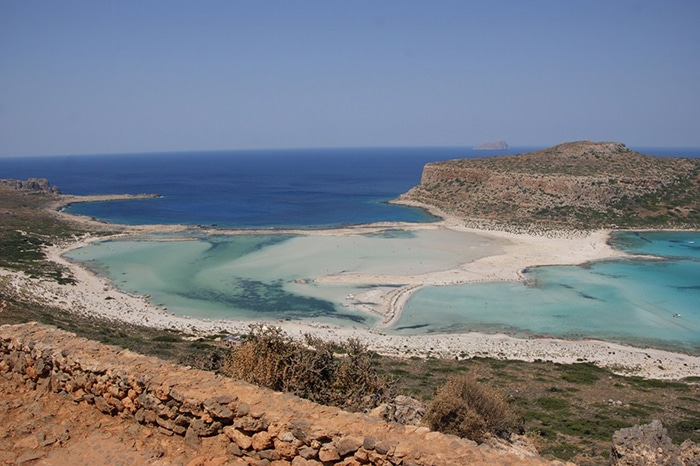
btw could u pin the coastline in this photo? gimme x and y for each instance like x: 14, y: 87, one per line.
x: 93, y: 295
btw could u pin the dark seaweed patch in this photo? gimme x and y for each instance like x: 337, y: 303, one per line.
x: 271, y: 298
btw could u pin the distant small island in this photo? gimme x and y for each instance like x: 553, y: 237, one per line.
x: 497, y: 145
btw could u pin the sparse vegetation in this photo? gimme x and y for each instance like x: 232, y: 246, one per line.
x: 469, y: 409
x: 583, y: 373
x: 582, y: 185
x: 570, y: 411
x: 337, y: 374
x: 26, y: 229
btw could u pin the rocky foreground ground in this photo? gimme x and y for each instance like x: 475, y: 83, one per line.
x: 67, y: 400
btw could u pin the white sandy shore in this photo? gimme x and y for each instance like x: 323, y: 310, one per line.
x: 95, y: 296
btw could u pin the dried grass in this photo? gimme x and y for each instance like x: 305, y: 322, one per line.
x: 471, y: 410
x: 336, y: 374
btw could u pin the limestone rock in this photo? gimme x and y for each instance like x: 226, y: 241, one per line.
x: 404, y: 410
x: 649, y: 444
x: 32, y: 184
x: 261, y: 441
x: 328, y: 453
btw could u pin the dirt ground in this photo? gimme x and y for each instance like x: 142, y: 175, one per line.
x: 42, y: 428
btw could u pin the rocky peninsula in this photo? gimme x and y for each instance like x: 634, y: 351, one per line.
x: 583, y: 185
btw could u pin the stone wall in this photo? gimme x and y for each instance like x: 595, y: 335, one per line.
x: 259, y: 426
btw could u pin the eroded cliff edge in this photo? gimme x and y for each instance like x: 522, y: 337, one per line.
x: 585, y: 185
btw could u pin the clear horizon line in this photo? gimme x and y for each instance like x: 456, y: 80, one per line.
x: 329, y: 148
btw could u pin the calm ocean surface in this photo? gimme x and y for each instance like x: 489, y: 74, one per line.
x: 631, y: 301
x: 244, y: 189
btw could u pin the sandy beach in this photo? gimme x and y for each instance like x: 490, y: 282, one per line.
x: 95, y: 296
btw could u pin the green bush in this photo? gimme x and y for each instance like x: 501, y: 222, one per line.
x: 328, y: 373
x: 468, y: 409
x: 581, y: 373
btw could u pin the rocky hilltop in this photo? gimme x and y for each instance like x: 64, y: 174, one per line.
x: 40, y: 185
x: 573, y: 185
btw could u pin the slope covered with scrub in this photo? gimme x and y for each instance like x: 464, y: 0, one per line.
x: 574, y: 185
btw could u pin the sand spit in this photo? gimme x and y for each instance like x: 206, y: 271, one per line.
x: 520, y: 251
x: 95, y: 296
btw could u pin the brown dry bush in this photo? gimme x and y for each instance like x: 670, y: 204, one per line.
x: 337, y: 374
x: 468, y: 409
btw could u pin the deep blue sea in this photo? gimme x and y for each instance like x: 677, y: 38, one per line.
x: 251, y: 189
x: 244, y: 189
x: 627, y: 301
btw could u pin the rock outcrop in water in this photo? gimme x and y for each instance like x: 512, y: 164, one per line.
x: 574, y: 185
x: 498, y: 145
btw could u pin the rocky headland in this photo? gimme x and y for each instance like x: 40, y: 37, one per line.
x: 40, y: 185
x: 584, y: 185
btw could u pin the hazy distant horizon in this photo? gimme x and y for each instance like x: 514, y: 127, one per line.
x: 650, y: 150
x: 104, y: 77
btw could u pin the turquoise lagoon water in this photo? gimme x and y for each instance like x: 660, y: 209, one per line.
x: 643, y: 301
x: 270, y: 276
x: 196, y: 278
x: 267, y: 277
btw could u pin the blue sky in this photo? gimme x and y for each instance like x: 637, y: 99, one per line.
x: 87, y: 77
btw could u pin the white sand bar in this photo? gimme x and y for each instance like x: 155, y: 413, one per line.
x: 485, y: 256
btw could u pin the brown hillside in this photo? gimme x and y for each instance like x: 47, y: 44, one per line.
x: 579, y: 184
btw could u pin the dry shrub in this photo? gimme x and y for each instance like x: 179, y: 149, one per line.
x: 328, y: 373
x: 468, y: 409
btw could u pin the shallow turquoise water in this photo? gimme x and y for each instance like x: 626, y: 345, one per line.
x: 630, y: 301
x: 678, y: 244
x: 189, y: 278
x: 269, y: 277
